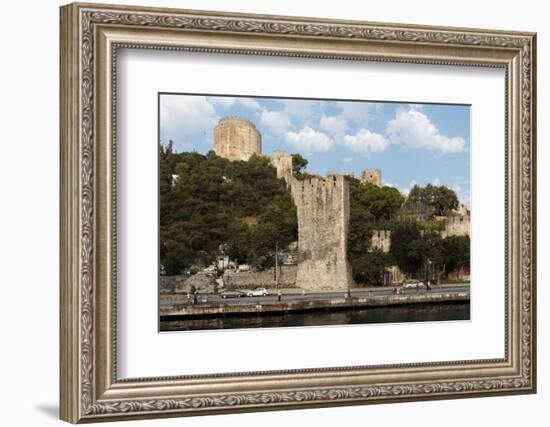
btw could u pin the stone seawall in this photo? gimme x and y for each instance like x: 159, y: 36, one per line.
x: 303, y: 306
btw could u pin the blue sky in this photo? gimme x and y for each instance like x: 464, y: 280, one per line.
x: 410, y: 143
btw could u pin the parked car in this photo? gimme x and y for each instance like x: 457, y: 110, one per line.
x: 232, y: 293
x: 258, y: 292
x: 412, y: 284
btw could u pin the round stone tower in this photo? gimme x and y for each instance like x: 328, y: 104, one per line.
x: 236, y: 138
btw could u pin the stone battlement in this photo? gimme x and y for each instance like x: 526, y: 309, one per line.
x: 236, y: 119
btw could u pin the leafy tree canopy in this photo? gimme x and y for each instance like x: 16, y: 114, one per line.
x: 207, y: 201
x: 431, y: 200
x: 299, y: 163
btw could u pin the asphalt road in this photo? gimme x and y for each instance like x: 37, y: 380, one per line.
x: 298, y: 296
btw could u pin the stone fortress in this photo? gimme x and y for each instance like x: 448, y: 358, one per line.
x: 322, y: 206
x: 323, y: 209
x: 457, y: 224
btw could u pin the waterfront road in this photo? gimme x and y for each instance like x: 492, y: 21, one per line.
x: 296, y: 295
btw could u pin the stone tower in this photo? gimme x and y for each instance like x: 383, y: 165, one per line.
x: 374, y: 176
x: 236, y: 138
x: 323, y: 221
x: 283, y: 163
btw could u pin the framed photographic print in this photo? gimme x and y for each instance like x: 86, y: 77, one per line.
x: 266, y: 212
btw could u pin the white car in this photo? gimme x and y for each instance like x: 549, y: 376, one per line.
x: 258, y: 292
x: 411, y: 284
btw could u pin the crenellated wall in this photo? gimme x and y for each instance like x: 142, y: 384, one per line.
x: 322, y: 206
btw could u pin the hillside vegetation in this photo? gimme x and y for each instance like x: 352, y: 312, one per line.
x: 208, y: 202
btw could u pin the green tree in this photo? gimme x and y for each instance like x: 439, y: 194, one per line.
x: 371, y: 208
x: 457, y: 252
x: 431, y: 200
x: 403, y: 238
x: 299, y: 163
x: 429, y: 255
x: 369, y: 268
x: 214, y: 201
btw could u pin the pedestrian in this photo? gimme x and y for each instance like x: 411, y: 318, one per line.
x: 195, y: 298
x: 417, y: 288
x: 429, y: 286
x: 279, y: 295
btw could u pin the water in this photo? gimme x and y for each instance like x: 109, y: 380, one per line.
x: 395, y: 314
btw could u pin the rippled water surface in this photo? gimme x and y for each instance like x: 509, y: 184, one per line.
x: 395, y: 314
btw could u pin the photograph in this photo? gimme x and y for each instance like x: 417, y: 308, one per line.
x: 285, y: 212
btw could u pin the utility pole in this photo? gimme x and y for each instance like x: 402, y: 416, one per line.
x: 277, y: 265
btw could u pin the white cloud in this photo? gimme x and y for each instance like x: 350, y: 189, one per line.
x: 276, y: 121
x: 309, y: 140
x: 366, y: 142
x: 249, y: 103
x: 298, y: 109
x: 347, y: 159
x: 222, y: 101
x: 335, y: 125
x: 414, y: 128
x: 358, y: 112
x: 185, y: 116
x: 229, y: 101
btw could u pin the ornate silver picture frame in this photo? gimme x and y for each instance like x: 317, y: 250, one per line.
x: 91, y: 389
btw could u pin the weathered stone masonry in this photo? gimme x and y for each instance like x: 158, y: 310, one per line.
x: 236, y: 138
x: 322, y: 205
x: 323, y: 221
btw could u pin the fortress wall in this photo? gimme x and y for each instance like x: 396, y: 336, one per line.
x: 283, y: 163
x: 456, y: 226
x: 252, y: 279
x: 323, y: 221
x: 236, y: 139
